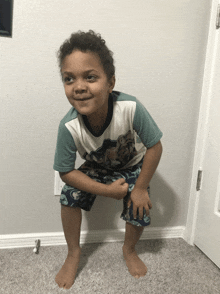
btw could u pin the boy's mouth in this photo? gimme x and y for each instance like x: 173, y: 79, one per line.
x: 82, y: 98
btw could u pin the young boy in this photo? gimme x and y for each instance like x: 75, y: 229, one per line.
x: 119, y: 141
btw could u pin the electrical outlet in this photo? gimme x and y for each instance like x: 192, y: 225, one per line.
x: 58, y: 184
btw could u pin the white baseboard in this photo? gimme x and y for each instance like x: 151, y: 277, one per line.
x: 99, y: 236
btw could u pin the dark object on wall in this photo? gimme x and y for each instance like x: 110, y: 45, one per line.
x: 6, y: 14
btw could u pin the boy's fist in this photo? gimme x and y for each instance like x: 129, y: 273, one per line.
x: 118, y: 189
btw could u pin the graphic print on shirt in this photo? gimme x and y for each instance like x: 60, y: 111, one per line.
x: 114, y: 154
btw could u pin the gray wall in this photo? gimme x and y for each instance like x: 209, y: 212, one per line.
x: 159, y: 49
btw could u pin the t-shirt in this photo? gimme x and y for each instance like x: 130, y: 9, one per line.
x: 122, y: 142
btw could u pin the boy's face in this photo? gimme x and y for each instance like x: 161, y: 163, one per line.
x: 86, y: 85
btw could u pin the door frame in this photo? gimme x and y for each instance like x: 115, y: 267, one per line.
x: 201, y: 136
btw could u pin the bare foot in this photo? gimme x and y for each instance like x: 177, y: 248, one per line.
x: 135, y: 265
x: 66, y: 276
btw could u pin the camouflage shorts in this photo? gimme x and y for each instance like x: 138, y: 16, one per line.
x: 73, y: 197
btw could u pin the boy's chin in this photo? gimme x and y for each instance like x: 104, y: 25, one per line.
x: 84, y: 112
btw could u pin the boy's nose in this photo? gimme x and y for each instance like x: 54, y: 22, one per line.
x: 80, y: 87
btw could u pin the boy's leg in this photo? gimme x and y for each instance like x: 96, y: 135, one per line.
x: 135, y: 265
x: 71, y: 220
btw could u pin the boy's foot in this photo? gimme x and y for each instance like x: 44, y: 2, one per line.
x: 66, y: 276
x: 135, y: 265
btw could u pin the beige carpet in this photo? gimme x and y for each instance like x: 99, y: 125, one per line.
x: 174, y: 267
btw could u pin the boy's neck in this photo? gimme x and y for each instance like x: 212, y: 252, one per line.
x: 98, y: 122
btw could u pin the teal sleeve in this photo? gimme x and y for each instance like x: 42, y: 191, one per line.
x: 145, y: 126
x: 65, y: 154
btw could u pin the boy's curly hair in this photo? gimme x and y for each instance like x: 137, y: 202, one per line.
x: 88, y: 41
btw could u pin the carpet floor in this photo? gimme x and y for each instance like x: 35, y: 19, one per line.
x: 174, y: 267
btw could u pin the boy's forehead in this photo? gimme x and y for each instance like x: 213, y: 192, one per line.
x: 78, y: 59
x: 86, y: 71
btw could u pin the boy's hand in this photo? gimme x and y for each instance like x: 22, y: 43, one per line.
x: 118, y: 189
x: 140, y: 200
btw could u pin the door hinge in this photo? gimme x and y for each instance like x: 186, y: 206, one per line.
x: 199, y: 180
x: 218, y: 17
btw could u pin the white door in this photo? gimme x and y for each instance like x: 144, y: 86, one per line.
x: 207, y: 230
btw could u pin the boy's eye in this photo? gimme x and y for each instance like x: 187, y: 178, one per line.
x: 68, y: 79
x: 91, y: 78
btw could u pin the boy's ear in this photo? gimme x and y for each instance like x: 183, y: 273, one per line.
x: 111, y: 84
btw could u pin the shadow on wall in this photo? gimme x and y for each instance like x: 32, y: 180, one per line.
x: 104, y: 215
x: 164, y: 200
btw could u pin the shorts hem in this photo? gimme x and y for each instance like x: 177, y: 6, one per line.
x: 75, y: 206
x: 138, y: 223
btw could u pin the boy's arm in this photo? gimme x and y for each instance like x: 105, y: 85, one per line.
x: 139, y: 195
x: 79, y: 180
